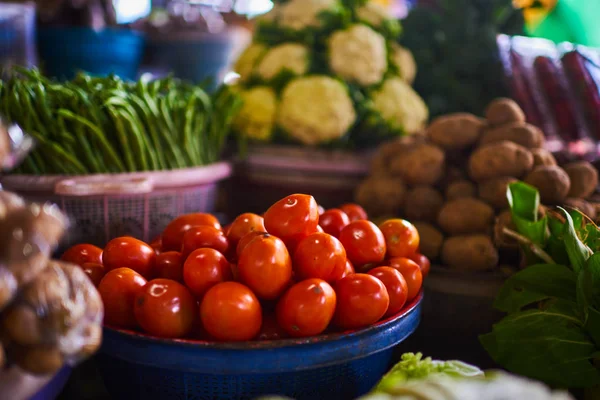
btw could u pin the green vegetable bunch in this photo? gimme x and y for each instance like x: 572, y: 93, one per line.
x: 552, y: 330
x: 454, y: 45
x: 106, y: 125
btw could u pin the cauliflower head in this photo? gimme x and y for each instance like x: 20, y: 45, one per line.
x: 404, y: 61
x: 248, y: 60
x: 400, y: 106
x: 256, y: 118
x: 301, y: 14
x: 316, y: 109
x: 291, y: 56
x: 373, y: 13
x: 358, y: 54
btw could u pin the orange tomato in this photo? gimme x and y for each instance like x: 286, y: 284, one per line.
x: 128, y: 252
x: 307, y: 308
x: 231, y: 312
x: 294, y: 216
x: 118, y: 290
x: 247, y: 239
x: 265, y: 267
x: 204, y: 236
x: 243, y: 225
x: 364, y: 243
x: 321, y: 209
x: 203, y: 269
x: 172, y: 236
x: 169, y: 265
x: 411, y: 272
x: 94, y: 271
x: 423, y: 262
x: 354, y: 212
x: 361, y: 301
x: 320, y: 256
x: 348, y: 270
x: 395, y: 285
x: 83, y: 253
x: 333, y: 221
x: 165, y: 308
x: 401, y: 237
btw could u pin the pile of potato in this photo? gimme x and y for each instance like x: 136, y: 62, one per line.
x: 451, y: 181
x: 50, y: 312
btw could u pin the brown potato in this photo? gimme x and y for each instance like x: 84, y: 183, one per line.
x: 431, y: 239
x: 460, y: 189
x: 500, y: 159
x: 584, y: 179
x: 470, y: 253
x: 39, y: 360
x: 2, y: 356
x: 380, y: 164
x: 455, y: 131
x: 493, y: 191
x: 542, y: 157
x: 583, y: 206
x: 552, y: 182
x: 423, y: 165
x: 504, y: 111
x: 526, y: 135
x: 466, y: 215
x: 381, y: 195
x: 423, y: 204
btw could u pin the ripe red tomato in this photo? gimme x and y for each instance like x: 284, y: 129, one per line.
x: 231, y: 312
x: 156, y: 244
x: 396, y: 286
x: 118, y: 290
x: 307, y: 308
x: 364, y: 243
x: 226, y: 229
x: 422, y: 262
x: 294, y: 216
x: 94, y: 271
x: 203, y: 269
x: 348, y: 270
x: 165, y: 308
x: 204, y: 236
x: 127, y: 252
x: 247, y: 239
x: 321, y: 209
x: 320, y: 256
x: 270, y: 329
x: 361, y: 301
x: 265, y: 267
x: 169, y: 265
x: 401, y: 237
x: 319, y: 229
x: 333, y: 221
x: 411, y: 272
x: 354, y: 212
x: 172, y: 236
x: 244, y: 224
x: 83, y: 253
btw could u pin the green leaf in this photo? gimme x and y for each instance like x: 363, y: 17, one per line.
x: 577, y: 251
x: 592, y: 326
x: 588, y: 285
x: 549, y: 345
x: 536, y: 283
x: 524, y: 201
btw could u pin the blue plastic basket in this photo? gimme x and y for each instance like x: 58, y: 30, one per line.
x: 332, y: 367
x: 65, y: 51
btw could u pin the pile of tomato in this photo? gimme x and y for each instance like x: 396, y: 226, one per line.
x: 296, y: 271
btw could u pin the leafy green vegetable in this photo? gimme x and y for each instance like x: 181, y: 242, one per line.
x: 558, y: 340
x: 116, y: 126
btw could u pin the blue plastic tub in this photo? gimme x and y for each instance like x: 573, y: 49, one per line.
x: 65, y: 51
x: 55, y: 386
x: 332, y: 367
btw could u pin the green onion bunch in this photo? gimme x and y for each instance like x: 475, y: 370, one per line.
x: 107, y: 125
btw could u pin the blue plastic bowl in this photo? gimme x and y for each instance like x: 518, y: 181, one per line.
x: 66, y: 51
x: 332, y: 367
x: 55, y: 386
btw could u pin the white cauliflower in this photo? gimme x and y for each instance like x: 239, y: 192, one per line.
x: 316, y: 109
x: 248, y: 60
x: 256, y: 118
x: 403, y: 59
x: 291, y: 56
x: 301, y: 14
x: 358, y: 54
x: 400, y: 106
x: 373, y: 13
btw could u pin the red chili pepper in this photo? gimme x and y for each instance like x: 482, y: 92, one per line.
x: 548, y: 76
x: 521, y: 91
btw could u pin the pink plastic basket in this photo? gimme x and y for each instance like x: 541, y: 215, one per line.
x: 104, y: 206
